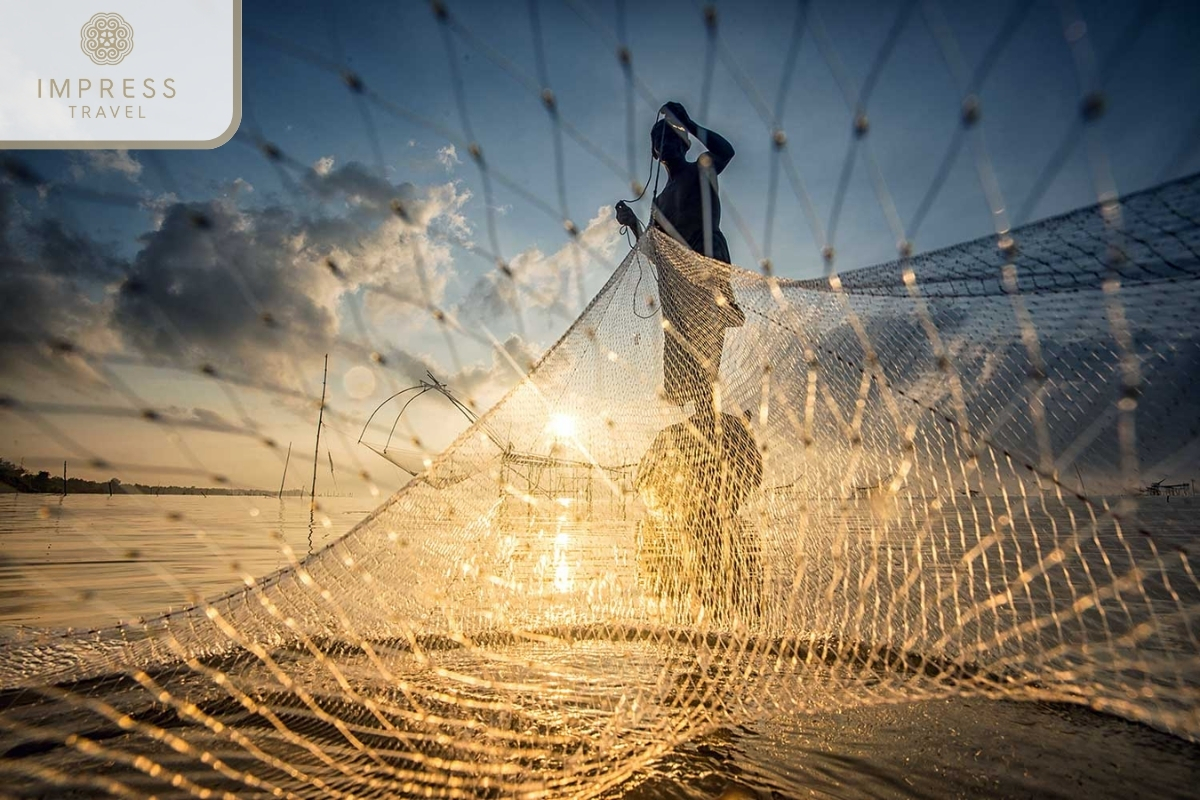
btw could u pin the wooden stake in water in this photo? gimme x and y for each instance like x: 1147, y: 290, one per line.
x: 317, y: 449
x: 286, y: 461
x: 64, y: 479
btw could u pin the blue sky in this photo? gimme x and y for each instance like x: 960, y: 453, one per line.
x: 1030, y: 102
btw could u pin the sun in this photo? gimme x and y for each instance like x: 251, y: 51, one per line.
x: 561, y: 426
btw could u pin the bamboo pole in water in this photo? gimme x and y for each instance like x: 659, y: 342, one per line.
x: 286, y: 461
x: 317, y: 449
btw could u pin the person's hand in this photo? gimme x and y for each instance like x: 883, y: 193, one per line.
x: 677, y: 114
x: 625, y: 215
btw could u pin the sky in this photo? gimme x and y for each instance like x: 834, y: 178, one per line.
x: 103, y: 248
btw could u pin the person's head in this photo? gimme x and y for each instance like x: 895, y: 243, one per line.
x: 667, y: 142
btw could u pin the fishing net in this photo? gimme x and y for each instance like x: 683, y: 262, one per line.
x: 720, y: 495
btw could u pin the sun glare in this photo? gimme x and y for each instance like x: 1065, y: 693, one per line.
x: 561, y: 426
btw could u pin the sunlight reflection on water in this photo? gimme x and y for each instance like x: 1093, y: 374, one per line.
x: 91, y: 560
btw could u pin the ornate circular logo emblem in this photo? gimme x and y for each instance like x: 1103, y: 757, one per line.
x: 106, y: 38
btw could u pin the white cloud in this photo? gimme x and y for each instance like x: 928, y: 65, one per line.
x: 551, y: 280
x: 157, y: 206
x: 119, y: 161
x: 254, y: 290
x: 323, y: 165
x: 262, y: 289
x: 448, y: 156
x: 240, y: 186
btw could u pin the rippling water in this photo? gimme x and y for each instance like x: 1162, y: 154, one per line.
x: 89, y: 560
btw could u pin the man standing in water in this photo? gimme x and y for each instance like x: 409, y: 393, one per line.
x: 697, y: 472
x: 698, y: 306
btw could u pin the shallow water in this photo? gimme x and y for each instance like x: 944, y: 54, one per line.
x: 91, y: 560
x: 88, y: 561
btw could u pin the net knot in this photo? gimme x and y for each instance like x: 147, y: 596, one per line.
x: 352, y: 81
x: 862, y: 125
x: 133, y: 286
x: 970, y: 110
x: 20, y: 172
x: 200, y: 221
x: 1093, y: 106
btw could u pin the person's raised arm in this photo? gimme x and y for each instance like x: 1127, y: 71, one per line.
x: 718, y: 147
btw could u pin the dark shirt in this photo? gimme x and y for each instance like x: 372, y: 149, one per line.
x: 681, y: 203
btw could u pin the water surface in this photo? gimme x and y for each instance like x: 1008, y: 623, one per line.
x: 87, y: 561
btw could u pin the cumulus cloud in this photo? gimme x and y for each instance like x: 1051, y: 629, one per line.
x: 118, y: 161
x: 323, y: 165
x: 157, y: 205
x: 549, y: 280
x: 448, y: 156
x: 47, y: 273
x: 217, y: 285
x: 240, y: 186
x: 257, y: 290
x: 200, y: 417
x: 262, y: 288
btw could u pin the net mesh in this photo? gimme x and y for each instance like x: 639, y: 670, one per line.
x: 722, y: 494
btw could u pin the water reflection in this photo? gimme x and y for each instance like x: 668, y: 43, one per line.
x: 957, y: 747
x: 90, y: 560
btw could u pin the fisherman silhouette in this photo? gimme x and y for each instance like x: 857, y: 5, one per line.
x: 697, y: 304
x: 693, y: 480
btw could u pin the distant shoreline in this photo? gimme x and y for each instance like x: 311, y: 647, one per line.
x: 137, y: 489
x: 14, y: 478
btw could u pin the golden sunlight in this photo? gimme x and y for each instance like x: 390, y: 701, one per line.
x: 562, y: 426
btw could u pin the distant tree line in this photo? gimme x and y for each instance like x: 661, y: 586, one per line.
x: 18, y: 478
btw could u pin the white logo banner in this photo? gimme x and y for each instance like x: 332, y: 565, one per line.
x: 119, y: 73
